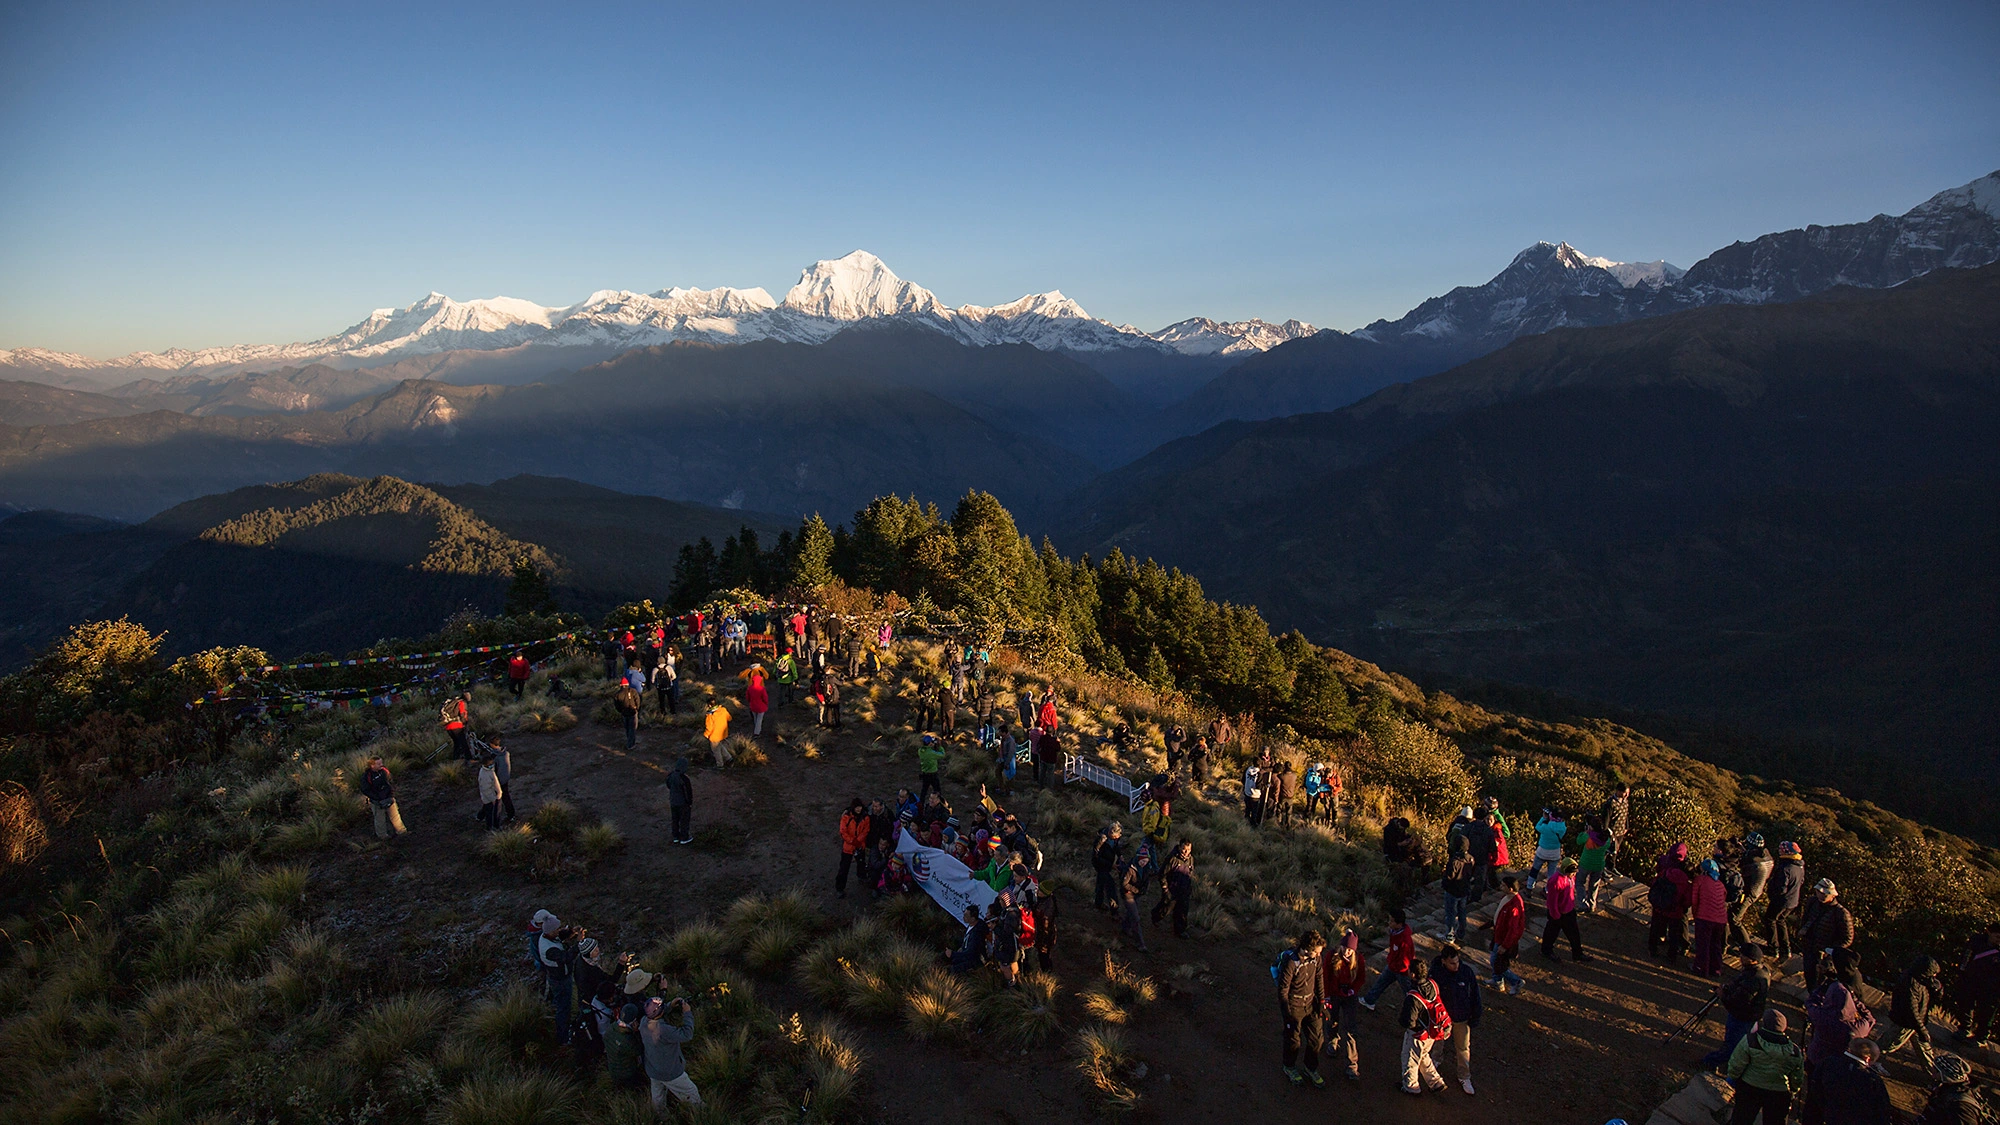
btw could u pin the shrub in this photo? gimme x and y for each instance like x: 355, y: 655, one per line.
x: 390, y: 1029
x: 449, y: 773
x: 1103, y: 1056
x: 1421, y: 766
x: 745, y: 752
x: 249, y: 932
x: 547, y: 720
x: 530, y: 1098
x: 279, y: 886
x: 936, y: 1011
x: 773, y: 947
x: 510, y: 847
x: 556, y: 819
x: 600, y: 840
x: 695, y: 946
x: 510, y: 1024
x: 1664, y: 815
x: 310, y: 833
x: 726, y: 1063
x: 1025, y: 1016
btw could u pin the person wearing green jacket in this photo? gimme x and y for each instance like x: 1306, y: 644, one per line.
x: 1767, y: 1071
x: 999, y: 871
x: 930, y: 755
x: 622, y: 1050
x: 788, y: 678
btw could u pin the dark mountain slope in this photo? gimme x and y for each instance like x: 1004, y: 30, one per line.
x: 38, y: 404
x: 1781, y: 517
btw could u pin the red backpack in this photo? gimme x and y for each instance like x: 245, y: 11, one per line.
x: 1433, y: 1022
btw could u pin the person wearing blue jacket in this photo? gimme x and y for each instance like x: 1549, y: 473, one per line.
x: 1549, y: 833
x: 1458, y: 987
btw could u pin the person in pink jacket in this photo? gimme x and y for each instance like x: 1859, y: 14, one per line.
x: 1711, y: 919
x: 1561, y: 898
x: 756, y: 697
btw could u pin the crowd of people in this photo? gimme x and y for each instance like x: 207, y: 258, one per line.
x: 1742, y: 899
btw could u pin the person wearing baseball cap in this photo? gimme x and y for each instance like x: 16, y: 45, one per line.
x: 1825, y: 925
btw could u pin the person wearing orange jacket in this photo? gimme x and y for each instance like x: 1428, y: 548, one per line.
x: 854, y: 829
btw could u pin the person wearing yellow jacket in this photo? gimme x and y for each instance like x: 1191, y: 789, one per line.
x: 715, y: 727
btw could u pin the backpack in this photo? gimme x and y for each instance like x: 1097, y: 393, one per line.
x: 1278, y: 966
x: 1433, y: 1021
x: 1737, y: 992
x: 1663, y: 894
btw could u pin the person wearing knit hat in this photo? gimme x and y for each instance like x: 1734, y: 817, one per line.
x: 1768, y: 1072
x: 1825, y: 924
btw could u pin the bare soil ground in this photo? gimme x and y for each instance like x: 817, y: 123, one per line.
x: 1582, y: 1045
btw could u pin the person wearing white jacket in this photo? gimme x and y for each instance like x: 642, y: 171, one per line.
x: 490, y: 792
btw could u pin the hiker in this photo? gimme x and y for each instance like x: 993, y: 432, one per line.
x: 1046, y: 912
x: 1954, y: 1102
x: 1198, y: 762
x: 1105, y: 858
x: 1285, y: 792
x: 1848, y: 1089
x: 1156, y: 820
x: 1176, y: 742
x: 667, y: 682
x: 788, y: 678
x: 664, y: 1064
x: 627, y: 701
x: 1315, y: 791
x: 1917, y: 989
x: 1549, y: 833
x: 1458, y: 986
x: 503, y: 770
x: 680, y: 801
x: 1617, y: 814
x: 1503, y: 837
x: 609, y: 650
x: 1510, y: 922
x: 454, y: 714
x: 1744, y: 999
x: 1767, y: 1072
x: 1424, y: 1021
x: 489, y: 793
x: 1048, y: 756
x: 1254, y: 783
x: 380, y: 790
x: 971, y: 952
x: 1482, y: 842
x: 1457, y: 888
x: 1049, y: 715
x: 1669, y: 897
x: 895, y: 878
x: 854, y: 828
x: 930, y: 756
x: 1594, y: 856
x: 1132, y: 888
x: 635, y: 676
x: 1836, y: 1014
x: 1711, y: 919
x: 554, y: 953
x: 1396, y: 958
x: 1301, y: 997
x: 715, y: 728
x: 1826, y: 924
x: 1754, y: 868
x: 1560, y: 895
x: 1177, y: 887
x: 1346, y: 972
x: 624, y: 1054
x: 1004, y: 936
x: 1786, y: 887
x: 830, y: 695
x: 756, y: 697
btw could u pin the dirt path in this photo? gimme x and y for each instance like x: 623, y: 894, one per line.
x: 1581, y: 1045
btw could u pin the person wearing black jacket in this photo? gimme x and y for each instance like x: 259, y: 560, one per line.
x: 1788, y: 883
x: 1910, y: 1006
x: 1420, y: 1005
x: 1853, y: 1092
x: 1104, y: 859
x: 680, y: 800
x: 380, y: 790
x: 1744, y: 998
x: 1458, y: 985
x: 1954, y: 1102
x: 1302, y: 1002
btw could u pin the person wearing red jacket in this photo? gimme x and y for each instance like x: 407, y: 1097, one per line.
x: 854, y: 829
x: 517, y: 674
x: 1346, y: 973
x: 1510, y: 922
x: 1396, y: 961
x: 1711, y: 918
x: 1671, y: 894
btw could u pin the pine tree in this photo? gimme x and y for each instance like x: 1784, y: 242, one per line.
x: 529, y: 593
x: 694, y: 573
x: 812, y: 560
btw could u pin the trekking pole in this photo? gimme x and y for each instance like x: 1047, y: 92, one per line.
x: 1692, y: 1020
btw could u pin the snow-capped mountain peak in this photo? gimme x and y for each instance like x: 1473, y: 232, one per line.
x: 857, y: 286
x: 1050, y: 304
x: 1201, y: 336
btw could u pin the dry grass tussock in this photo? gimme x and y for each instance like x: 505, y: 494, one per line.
x: 1103, y: 1058
x: 745, y: 752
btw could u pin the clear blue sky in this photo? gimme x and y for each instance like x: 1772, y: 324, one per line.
x: 187, y: 175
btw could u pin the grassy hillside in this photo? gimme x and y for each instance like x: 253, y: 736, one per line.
x: 1777, y: 521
